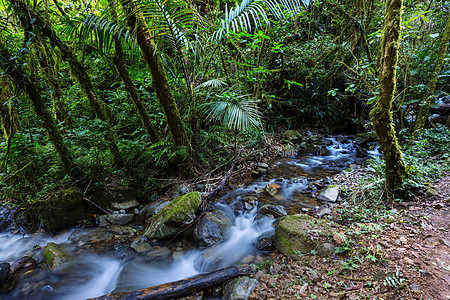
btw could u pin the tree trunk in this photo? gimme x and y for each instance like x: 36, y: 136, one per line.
x: 428, y: 96
x: 119, y: 62
x: 173, y: 290
x: 159, y: 77
x: 27, y: 16
x: 381, y: 114
x: 25, y: 82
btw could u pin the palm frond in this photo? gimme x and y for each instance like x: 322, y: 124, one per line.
x: 283, y: 9
x: 212, y: 83
x: 237, y: 112
x: 99, y: 29
x: 164, y: 16
x: 241, y: 17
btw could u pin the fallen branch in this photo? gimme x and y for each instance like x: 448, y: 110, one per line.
x: 182, y: 287
x: 220, y: 186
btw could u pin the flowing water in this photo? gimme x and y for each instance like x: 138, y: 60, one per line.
x: 93, y: 275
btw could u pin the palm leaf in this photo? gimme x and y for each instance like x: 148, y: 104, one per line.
x: 237, y: 112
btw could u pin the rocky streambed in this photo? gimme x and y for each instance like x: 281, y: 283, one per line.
x: 137, y: 246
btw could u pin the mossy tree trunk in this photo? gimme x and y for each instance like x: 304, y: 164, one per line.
x: 159, y: 76
x: 119, y: 62
x: 51, y: 76
x: 428, y: 96
x: 381, y: 114
x: 27, y: 17
x: 26, y: 83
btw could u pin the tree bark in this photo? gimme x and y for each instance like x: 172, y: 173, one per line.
x: 182, y: 287
x: 428, y: 96
x: 119, y: 62
x: 28, y: 16
x: 159, y: 77
x: 381, y: 114
x: 25, y: 82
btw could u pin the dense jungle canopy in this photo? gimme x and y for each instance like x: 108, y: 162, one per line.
x: 141, y: 90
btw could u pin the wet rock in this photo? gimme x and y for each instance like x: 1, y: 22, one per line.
x: 83, y: 236
x: 127, y: 204
x: 265, y: 240
x: 4, y: 271
x: 141, y: 245
x: 249, y: 202
x: 152, y: 209
x: 299, y: 234
x: 262, y: 168
x: 213, y: 227
x: 161, y: 254
x: 174, y: 217
x: 239, y: 288
x: 180, y: 190
x: 62, y: 209
x: 291, y: 136
x: 362, y: 139
x: 55, y: 256
x: 115, y: 219
x: 6, y: 217
x: 272, y: 189
x: 274, y: 211
x: 330, y: 194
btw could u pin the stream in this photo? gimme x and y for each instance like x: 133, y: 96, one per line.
x: 94, y: 274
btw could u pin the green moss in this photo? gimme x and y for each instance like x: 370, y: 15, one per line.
x: 178, y: 213
x: 54, y: 256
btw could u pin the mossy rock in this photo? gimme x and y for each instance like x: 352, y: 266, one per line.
x: 291, y: 136
x: 62, y: 210
x: 296, y: 235
x: 174, y: 217
x: 55, y: 256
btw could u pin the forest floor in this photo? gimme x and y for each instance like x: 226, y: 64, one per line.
x: 405, y: 258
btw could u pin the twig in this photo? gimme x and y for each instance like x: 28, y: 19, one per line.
x: 96, y: 205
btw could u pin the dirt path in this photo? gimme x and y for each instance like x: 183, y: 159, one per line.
x: 406, y: 259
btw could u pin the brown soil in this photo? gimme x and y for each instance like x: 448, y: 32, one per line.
x: 405, y: 258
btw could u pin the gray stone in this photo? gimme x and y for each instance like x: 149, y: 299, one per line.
x: 272, y: 189
x: 180, y: 190
x: 325, y: 249
x: 119, y: 219
x: 265, y: 240
x: 239, y: 288
x: 274, y: 211
x: 125, y: 204
x: 262, y: 165
x: 4, y: 270
x: 330, y: 194
x: 213, y: 227
x: 141, y: 245
x: 152, y: 209
x: 160, y: 254
x: 83, y: 236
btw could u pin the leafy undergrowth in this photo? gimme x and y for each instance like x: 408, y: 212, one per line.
x: 400, y: 253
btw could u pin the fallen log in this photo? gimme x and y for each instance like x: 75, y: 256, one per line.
x: 220, y: 186
x: 182, y: 287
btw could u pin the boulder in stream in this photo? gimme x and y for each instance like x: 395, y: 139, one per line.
x: 55, y: 256
x: 4, y: 271
x: 291, y: 136
x: 272, y: 189
x: 213, y: 227
x: 239, y: 288
x: 62, y: 209
x: 115, y: 219
x: 296, y: 235
x: 273, y: 211
x: 174, y: 217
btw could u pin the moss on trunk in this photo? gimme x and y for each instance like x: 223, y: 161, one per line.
x: 25, y: 82
x: 381, y: 114
x: 428, y: 96
x: 159, y: 77
x: 28, y: 16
